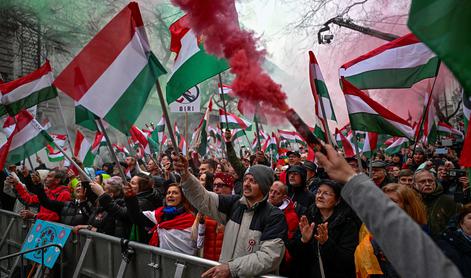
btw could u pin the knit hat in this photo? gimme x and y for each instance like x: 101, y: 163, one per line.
x: 297, y: 169
x: 263, y: 175
x: 226, y: 178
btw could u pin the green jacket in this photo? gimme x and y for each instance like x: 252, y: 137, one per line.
x: 440, y: 209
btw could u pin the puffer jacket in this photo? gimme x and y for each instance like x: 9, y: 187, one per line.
x: 110, y: 217
x: 213, y: 237
x: 337, y: 251
x: 440, y: 209
x: 253, y: 237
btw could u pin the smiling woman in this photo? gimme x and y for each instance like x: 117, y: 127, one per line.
x: 171, y: 224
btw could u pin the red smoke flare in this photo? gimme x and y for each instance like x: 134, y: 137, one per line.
x: 217, y: 22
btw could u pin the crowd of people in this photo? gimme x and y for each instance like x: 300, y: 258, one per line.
x: 405, y: 215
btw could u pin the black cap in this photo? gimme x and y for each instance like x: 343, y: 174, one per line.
x: 378, y: 164
x: 309, y: 165
x: 293, y: 152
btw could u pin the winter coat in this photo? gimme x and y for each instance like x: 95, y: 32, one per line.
x: 458, y: 249
x: 403, y: 242
x: 440, y: 209
x: 336, y: 253
x: 253, y: 237
x: 299, y: 195
x: 110, y: 217
x: 213, y: 237
x: 60, y: 193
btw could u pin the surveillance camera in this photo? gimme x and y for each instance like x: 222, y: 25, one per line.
x: 327, y: 38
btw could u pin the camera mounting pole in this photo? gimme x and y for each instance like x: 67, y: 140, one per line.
x: 350, y: 25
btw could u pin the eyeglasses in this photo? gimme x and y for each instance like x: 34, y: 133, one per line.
x: 325, y: 193
x: 219, y: 185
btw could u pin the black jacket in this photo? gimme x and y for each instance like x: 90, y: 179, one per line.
x: 110, y: 217
x: 458, y: 249
x: 337, y: 252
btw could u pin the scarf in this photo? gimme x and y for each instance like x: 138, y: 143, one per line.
x: 170, y: 218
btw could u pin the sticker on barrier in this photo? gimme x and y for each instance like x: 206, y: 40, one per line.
x: 43, y: 233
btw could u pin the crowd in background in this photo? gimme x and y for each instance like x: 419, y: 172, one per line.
x: 254, y: 216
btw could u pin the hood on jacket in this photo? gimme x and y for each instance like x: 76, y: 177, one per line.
x: 297, y: 169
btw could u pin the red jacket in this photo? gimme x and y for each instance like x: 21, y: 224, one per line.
x: 292, y: 219
x: 60, y: 193
x: 212, y: 239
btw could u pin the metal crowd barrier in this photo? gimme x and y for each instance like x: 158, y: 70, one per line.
x: 91, y: 254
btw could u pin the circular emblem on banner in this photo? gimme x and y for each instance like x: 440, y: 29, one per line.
x: 189, y: 96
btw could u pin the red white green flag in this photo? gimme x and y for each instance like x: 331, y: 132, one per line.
x: 397, y: 145
x: 115, y: 69
x: 445, y: 129
x: 367, y: 115
x: 201, y: 132
x: 28, y: 90
x: 27, y: 138
x: 233, y: 122
x: 83, y: 150
x: 139, y: 137
x: 319, y: 90
x: 192, y: 64
x: 397, y: 64
x: 370, y: 144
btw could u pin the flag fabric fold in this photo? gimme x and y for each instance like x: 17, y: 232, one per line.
x: 397, y: 64
x: 106, y: 82
x: 367, y: 115
x: 28, y: 90
x: 192, y: 64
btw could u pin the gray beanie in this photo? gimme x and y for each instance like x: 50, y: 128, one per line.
x: 263, y: 175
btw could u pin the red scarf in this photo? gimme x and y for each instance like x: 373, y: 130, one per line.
x: 180, y: 222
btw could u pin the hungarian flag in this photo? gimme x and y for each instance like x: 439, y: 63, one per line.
x: 426, y: 130
x: 290, y: 136
x: 182, y: 145
x: 215, y: 133
x: 85, y: 118
x: 192, y: 64
x: 120, y: 149
x: 158, y: 132
x: 114, y: 73
x: 225, y: 91
x: 319, y: 90
x: 28, y: 90
x: 9, y: 126
x: 237, y: 134
x: 444, y: 26
x: 445, y: 129
x: 348, y: 148
x: 54, y: 155
x: 201, y: 133
x: 397, y: 145
x: 138, y: 136
x: 233, y: 122
x: 27, y: 138
x: 83, y: 149
x: 370, y: 144
x: 59, y: 139
x: 367, y: 115
x: 397, y: 64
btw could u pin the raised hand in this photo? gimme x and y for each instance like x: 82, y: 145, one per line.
x: 335, y: 165
x: 322, y: 233
x: 181, y: 165
x: 306, y: 229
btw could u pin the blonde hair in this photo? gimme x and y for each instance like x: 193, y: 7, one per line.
x: 411, y: 201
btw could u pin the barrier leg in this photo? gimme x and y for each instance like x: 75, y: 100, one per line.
x: 179, y: 270
x: 126, y: 254
x: 82, y: 257
x: 13, y: 267
x: 7, y: 231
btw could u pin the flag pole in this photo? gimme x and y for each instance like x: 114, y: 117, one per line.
x: 65, y: 125
x: 110, y: 147
x: 357, y: 150
x: 223, y: 100
x: 426, y: 108
x: 186, y: 133
x: 259, y: 147
x: 166, y: 115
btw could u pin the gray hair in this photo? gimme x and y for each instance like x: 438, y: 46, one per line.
x: 116, y: 183
x: 422, y: 171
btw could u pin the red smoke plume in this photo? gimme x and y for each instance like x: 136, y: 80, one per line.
x: 217, y: 22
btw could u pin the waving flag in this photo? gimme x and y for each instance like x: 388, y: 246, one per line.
x: 233, y: 122
x: 367, y: 115
x: 27, y: 138
x: 201, y: 142
x: 397, y: 64
x: 28, y: 90
x: 319, y: 90
x: 115, y: 69
x: 192, y: 64
x: 397, y: 145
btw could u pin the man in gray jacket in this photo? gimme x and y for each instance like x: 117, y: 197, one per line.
x: 254, y: 229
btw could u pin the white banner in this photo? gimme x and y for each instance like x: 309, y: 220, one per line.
x: 188, y: 102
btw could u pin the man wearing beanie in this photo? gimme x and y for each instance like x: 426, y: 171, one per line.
x: 254, y: 229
